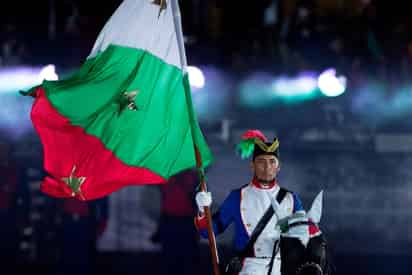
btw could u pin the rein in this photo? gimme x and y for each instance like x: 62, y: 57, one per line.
x: 285, y: 227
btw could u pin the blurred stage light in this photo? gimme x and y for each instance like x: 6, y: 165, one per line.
x: 331, y: 85
x: 303, y: 84
x: 48, y: 73
x: 263, y: 89
x: 256, y: 90
x: 376, y: 105
x: 13, y: 79
x: 15, y: 111
x: 211, y: 99
x: 196, y: 77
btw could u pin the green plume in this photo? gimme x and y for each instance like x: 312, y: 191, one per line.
x: 245, y: 148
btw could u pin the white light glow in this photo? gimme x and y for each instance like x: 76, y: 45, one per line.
x: 196, y: 77
x: 48, y: 73
x: 330, y: 84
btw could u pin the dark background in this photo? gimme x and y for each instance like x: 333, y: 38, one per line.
x: 357, y: 147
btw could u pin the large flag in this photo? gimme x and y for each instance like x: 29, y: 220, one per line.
x: 125, y: 117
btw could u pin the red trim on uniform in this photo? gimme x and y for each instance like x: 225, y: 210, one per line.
x: 241, y: 218
x: 257, y: 184
x: 240, y: 209
x: 201, y: 222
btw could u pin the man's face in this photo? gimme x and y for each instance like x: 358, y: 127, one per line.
x: 265, y: 167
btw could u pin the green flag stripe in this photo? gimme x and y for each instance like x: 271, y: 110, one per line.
x: 92, y: 98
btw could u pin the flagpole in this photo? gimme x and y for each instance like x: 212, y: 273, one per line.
x: 210, y: 232
x: 199, y: 162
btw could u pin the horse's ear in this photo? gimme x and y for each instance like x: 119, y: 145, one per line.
x: 315, y: 211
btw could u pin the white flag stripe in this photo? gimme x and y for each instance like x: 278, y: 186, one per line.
x: 179, y: 34
x: 137, y: 24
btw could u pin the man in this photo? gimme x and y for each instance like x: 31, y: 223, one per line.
x: 177, y: 233
x: 14, y: 206
x: 83, y: 222
x: 246, y: 206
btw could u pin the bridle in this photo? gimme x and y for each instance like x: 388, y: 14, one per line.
x: 286, y: 226
x: 310, y: 265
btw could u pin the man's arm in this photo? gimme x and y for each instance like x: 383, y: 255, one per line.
x: 221, y: 219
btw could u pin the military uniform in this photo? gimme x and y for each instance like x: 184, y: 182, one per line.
x: 244, y: 207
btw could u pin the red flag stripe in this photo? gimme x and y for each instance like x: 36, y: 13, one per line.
x: 104, y: 172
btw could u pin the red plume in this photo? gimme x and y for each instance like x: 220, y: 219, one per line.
x: 254, y: 134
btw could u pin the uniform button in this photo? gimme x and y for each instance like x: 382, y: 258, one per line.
x: 248, y: 225
x: 258, y: 249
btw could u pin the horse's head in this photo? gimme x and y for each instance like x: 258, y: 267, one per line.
x: 302, y: 244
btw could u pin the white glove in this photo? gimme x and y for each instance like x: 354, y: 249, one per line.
x: 203, y: 199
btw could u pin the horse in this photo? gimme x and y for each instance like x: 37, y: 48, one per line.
x: 303, y: 247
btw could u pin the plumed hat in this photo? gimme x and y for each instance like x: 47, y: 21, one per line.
x: 255, y: 143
